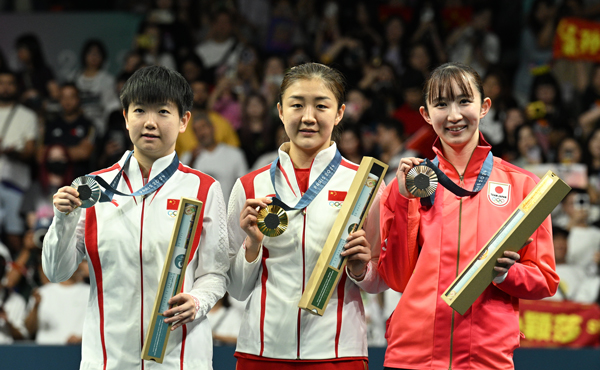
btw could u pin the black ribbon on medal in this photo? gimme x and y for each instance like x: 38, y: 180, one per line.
x: 422, y: 180
x: 90, y: 193
x: 273, y: 220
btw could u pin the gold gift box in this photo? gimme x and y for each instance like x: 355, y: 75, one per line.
x: 171, y: 281
x: 511, y: 236
x: 329, y: 267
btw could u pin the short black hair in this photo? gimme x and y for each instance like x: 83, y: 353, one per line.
x: 89, y: 44
x: 157, y: 84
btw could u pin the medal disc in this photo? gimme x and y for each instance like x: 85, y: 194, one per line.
x: 272, y: 221
x: 421, y: 181
x: 88, y: 189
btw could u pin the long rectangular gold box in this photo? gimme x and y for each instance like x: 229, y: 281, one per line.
x: 173, y: 273
x: 329, y: 267
x: 515, y: 231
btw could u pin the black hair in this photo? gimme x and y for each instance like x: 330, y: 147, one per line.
x: 157, y: 84
x: 30, y: 42
x: 559, y: 231
x: 390, y: 123
x: 89, y: 44
x: 440, y: 82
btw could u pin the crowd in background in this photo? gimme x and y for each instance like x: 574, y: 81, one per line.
x: 234, y: 55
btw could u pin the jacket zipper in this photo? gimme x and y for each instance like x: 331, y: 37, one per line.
x: 142, y: 272
x: 303, y: 277
x: 456, y: 275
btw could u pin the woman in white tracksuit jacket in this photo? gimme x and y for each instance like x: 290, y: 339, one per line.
x: 126, y: 241
x: 273, y: 271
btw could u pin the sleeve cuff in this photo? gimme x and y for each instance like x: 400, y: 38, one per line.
x: 258, y: 256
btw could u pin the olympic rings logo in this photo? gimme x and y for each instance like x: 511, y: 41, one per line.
x: 336, y: 204
x: 172, y: 213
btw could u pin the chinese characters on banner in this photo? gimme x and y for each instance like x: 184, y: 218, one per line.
x: 559, y: 324
x: 577, y: 39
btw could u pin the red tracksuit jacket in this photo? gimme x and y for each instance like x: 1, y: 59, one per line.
x: 425, y: 248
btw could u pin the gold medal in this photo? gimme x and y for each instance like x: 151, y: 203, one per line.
x: 421, y: 181
x: 272, y: 221
x: 88, y: 189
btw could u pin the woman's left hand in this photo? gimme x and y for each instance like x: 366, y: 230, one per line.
x: 183, y: 311
x: 503, y: 264
x: 358, y: 252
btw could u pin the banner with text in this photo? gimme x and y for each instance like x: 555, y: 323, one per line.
x: 559, y: 324
x: 577, y: 39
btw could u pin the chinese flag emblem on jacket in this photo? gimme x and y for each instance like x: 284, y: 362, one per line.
x: 172, y: 204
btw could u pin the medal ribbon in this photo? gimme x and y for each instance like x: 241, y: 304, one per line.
x: 314, y: 188
x: 482, y: 178
x: 151, y: 186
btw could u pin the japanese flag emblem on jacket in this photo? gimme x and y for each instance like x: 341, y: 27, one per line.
x: 498, y: 193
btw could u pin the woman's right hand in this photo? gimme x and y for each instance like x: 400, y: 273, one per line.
x: 248, y: 223
x: 406, y: 164
x: 66, y: 199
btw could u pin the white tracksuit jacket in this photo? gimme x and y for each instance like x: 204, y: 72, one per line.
x: 125, y: 243
x: 273, y: 325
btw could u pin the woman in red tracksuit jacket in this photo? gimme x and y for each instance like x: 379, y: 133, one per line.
x: 426, y: 246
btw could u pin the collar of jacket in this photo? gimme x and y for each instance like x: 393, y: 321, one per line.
x: 319, y: 164
x: 473, y: 167
x: 134, y: 173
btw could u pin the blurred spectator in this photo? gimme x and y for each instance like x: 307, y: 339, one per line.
x: 474, y: 43
x: 529, y: 151
x: 3, y: 63
x: 111, y: 146
x: 72, y: 130
x: 256, y: 133
x: 419, y: 134
x: 150, y: 43
x: 331, y: 46
x: 390, y: 138
x: 408, y: 112
x: 536, y: 46
x: 589, y: 118
x: 221, y: 49
x: 96, y: 86
x: 272, y: 78
x: 426, y: 27
x: 36, y: 79
x: 191, y: 68
x: 373, y: 304
x: 507, y: 149
x: 584, y: 238
x: 12, y: 306
x: 246, y: 76
x: 569, y: 151
x: 224, y: 132
x: 419, y: 61
x: 395, y: 45
x: 349, y: 144
x: 592, y: 160
x: 268, y: 157
x: 575, y: 284
x: 209, y: 156
x: 383, y: 87
x: 57, y: 310
x: 171, y: 19
x: 226, y: 100
x: 133, y: 61
x: 494, y: 87
x: 18, y: 132
x: 225, y: 321
x: 548, y: 114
